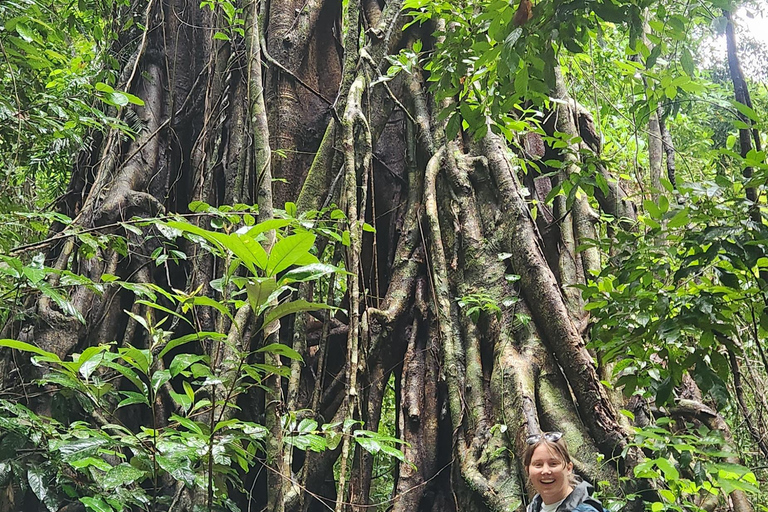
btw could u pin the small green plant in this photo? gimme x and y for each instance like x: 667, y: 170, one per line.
x: 477, y: 303
x: 233, y: 16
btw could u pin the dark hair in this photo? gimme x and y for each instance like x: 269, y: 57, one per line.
x: 558, y: 446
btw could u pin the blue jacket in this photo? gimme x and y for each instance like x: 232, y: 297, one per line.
x: 581, y: 494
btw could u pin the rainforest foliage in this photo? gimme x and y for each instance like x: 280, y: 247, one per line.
x: 191, y: 346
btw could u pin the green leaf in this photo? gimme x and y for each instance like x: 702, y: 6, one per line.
x: 671, y: 473
x: 259, y: 291
x: 295, y: 306
x: 306, y: 426
x: 26, y: 347
x: 37, y: 482
x: 309, y: 273
x: 78, y: 447
x: 281, y: 350
x: 133, y: 397
x: 61, y: 302
x: 686, y: 60
x: 453, y: 126
x: 268, y: 225
x: 202, y: 300
x: 653, y: 57
x: 139, y: 359
x: 117, y: 99
x: 96, y: 505
x: 120, y: 475
x: 747, y: 111
x: 134, y: 99
x: 393, y: 452
x: 89, y: 360
x: 159, y: 378
x: 35, y: 275
x: 178, y: 467
x: 192, y: 426
x: 195, y: 336
x: 652, y: 209
x: 91, y: 461
x: 289, y: 250
x: 102, y: 87
x: 680, y: 219
x: 368, y: 444
x: 183, y: 361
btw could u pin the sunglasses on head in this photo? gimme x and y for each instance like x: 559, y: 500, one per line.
x: 552, y: 437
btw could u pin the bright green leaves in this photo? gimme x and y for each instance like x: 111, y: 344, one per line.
x: 291, y: 250
x: 686, y: 461
x: 26, y: 347
x: 233, y: 17
x: 52, y: 54
x: 288, y: 308
x: 116, y: 98
x: 288, y: 251
x: 678, y: 296
x: 477, y: 303
x: 306, y: 434
x: 271, y: 274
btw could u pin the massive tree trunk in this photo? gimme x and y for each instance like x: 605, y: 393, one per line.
x: 289, y: 111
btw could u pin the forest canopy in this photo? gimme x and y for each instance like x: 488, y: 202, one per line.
x: 348, y: 255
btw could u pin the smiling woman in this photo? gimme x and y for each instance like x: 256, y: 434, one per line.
x: 549, y: 468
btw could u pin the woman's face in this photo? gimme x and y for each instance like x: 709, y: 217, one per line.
x: 550, y: 475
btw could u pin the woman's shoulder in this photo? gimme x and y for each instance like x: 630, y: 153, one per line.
x: 581, y: 500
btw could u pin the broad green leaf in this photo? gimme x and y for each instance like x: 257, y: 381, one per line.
x: 181, y: 399
x: 309, y: 272
x: 192, y: 426
x: 133, y: 397
x: 158, y: 307
x: 747, y: 111
x: 26, y: 347
x: 122, y: 474
x: 652, y: 209
x: 159, y: 378
x: 202, y: 300
x: 61, y: 302
x: 139, y: 359
x: 196, y: 336
x: 392, y: 452
x: 268, y: 225
x: 38, y: 482
x: 686, y: 60
x: 680, y: 219
x: 89, y: 360
x: 90, y: 461
x: 96, y: 505
x: 69, y: 448
x: 281, y: 350
x: 183, y: 361
x: 289, y: 250
x: 295, y: 306
x: 368, y: 444
x: 671, y: 473
x: 306, y: 426
x: 178, y: 467
x: 259, y: 290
